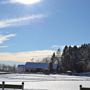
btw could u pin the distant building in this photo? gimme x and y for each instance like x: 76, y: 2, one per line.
x: 35, y: 67
x: 21, y: 69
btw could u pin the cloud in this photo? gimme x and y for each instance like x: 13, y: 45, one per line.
x: 74, y: 45
x: 4, y: 38
x: 2, y: 46
x: 25, y: 56
x: 24, y: 2
x: 20, y: 20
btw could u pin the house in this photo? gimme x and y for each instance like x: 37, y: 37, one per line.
x: 21, y: 68
x: 35, y: 67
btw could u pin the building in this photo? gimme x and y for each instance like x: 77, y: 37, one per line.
x: 21, y: 69
x: 35, y: 67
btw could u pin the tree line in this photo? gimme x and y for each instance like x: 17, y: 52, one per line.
x: 74, y: 59
x: 7, y: 68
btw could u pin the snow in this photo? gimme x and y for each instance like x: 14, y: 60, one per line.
x: 46, y: 82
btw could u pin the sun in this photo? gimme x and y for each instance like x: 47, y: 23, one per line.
x: 26, y: 2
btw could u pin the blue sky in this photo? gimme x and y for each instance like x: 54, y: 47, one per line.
x: 43, y: 25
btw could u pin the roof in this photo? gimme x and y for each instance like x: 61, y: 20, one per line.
x: 21, y: 66
x: 35, y: 65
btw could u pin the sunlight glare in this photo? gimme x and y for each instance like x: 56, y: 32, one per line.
x: 26, y: 2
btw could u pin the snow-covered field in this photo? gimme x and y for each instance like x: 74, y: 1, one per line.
x: 46, y: 82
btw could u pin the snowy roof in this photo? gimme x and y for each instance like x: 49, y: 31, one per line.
x: 35, y: 65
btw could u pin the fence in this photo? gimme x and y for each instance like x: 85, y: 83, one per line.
x: 11, y: 86
x: 84, y: 88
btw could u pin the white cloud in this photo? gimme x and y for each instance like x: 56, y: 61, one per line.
x: 25, y: 56
x: 20, y: 20
x: 25, y: 2
x: 7, y: 37
x: 3, y: 46
x: 74, y: 45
